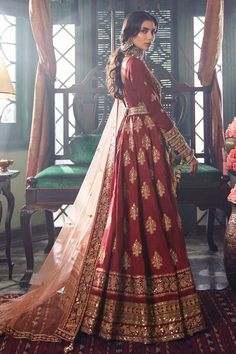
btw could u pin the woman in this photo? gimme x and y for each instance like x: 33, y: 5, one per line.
x: 121, y: 270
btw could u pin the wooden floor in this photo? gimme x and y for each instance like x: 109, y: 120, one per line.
x: 207, y: 267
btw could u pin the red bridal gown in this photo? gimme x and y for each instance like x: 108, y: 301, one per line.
x: 125, y: 275
x: 142, y: 290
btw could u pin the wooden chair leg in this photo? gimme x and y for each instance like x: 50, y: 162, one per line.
x: 25, y: 217
x: 50, y: 230
x: 210, y: 229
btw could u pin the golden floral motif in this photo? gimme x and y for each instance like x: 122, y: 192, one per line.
x: 173, y: 256
x: 149, y: 122
x: 157, y: 260
x: 131, y: 143
x: 126, y: 158
x: 133, y: 212
x: 138, y: 124
x: 137, y: 248
x: 126, y: 261
x: 141, y: 157
x: 166, y: 222
x: 146, y: 142
x: 155, y: 154
x: 145, y: 190
x: 160, y: 188
x: 127, y: 127
x: 150, y: 225
x: 132, y: 175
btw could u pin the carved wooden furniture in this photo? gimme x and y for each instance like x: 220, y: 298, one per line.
x: 5, y: 189
x: 59, y: 184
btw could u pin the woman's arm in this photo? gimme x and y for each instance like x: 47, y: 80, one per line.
x: 141, y: 81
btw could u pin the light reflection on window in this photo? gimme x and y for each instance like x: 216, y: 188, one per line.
x: 8, y: 53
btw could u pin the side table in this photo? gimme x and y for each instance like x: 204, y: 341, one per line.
x: 5, y: 189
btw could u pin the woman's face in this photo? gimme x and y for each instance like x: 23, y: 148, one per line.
x: 146, y: 35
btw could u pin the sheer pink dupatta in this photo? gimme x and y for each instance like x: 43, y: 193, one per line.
x: 41, y: 304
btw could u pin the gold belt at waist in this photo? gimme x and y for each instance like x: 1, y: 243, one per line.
x: 141, y: 109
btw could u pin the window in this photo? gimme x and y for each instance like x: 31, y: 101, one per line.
x: 198, y: 31
x: 64, y: 45
x: 8, y: 53
x: 19, y: 54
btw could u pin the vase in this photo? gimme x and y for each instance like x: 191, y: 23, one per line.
x: 230, y: 249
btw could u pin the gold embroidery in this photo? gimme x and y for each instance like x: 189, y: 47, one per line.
x: 146, y: 142
x: 126, y: 158
x: 135, y: 324
x: 132, y: 175
x: 126, y: 261
x: 76, y: 292
x: 149, y: 122
x: 160, y: 188
x: 142, y: 285
x: 157, y: 260
x: 137, y: 248
x: 127, y: 127
x: 145, y: 190
x: 131, y: 143
x: 166, y: 222
x: 150, y: 225
x: 155, y: 154
x: 138, y: 124
x: 141, y: 157
x: 133, y: 212
x: 173, y: 256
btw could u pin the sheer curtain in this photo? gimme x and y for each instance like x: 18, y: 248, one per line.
x: 40, y: 154
x: 210, y: 51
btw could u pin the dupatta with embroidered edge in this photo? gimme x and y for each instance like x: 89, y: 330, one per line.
x: 44, y: 313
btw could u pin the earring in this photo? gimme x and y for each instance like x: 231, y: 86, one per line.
x: 127, y: 45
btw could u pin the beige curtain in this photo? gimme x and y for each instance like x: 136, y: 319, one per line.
x: 210, y: 51
x: 40, y: 154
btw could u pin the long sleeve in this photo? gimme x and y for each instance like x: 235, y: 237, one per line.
x: 143, y: 86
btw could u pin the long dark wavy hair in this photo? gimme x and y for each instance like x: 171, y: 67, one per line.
x: 131, y: 27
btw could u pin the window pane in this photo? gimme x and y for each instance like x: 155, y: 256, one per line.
x: 8, y: 52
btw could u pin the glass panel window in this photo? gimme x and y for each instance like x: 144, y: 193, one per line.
x: 64, y: 45
x: 8, y: 53
x: 198, y: 31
